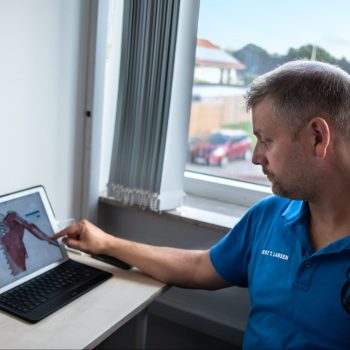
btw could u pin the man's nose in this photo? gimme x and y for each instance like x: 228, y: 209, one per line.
x: 258, y: 157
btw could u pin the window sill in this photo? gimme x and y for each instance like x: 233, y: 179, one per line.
x: 198, y: 211
x: 209, y: 212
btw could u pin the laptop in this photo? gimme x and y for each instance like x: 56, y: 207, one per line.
x: 36, y: 275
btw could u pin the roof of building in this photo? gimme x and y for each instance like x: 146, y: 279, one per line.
x: 206, y: 43
x: 209, y: 54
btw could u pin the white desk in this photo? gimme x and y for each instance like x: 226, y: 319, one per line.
x: 91, y: 318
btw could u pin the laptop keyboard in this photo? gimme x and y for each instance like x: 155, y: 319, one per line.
x: 47, y: 286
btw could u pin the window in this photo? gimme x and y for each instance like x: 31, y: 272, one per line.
x: 237, y: 41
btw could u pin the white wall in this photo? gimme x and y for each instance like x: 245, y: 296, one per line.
x: 42, y: 92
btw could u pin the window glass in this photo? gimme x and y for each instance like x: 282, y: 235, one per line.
x: 238, y: 41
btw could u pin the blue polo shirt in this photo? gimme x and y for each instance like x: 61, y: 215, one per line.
x: 300, y: 298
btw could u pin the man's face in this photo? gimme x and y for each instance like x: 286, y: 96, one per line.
x: 283, y: 158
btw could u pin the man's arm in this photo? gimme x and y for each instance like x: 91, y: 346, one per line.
x: 180, y: 267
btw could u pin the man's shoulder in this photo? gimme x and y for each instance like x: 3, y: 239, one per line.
x: 266, y: 211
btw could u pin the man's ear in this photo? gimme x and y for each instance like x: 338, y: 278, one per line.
x: 318, y: 129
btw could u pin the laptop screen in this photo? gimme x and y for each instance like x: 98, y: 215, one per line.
x: 25, y: 246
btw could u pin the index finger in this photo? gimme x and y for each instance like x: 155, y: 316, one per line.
x: 71, y: 230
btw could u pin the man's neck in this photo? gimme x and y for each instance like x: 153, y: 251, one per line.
x: 329, y: 221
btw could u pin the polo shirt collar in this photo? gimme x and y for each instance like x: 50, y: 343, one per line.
x: 296, y: 211
x: 297, y: 222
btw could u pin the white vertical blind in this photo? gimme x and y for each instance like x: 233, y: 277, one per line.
x: 144, y: 95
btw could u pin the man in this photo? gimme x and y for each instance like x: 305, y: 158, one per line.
x: 292, y: 250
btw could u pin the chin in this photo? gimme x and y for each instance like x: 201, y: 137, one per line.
x: 281, y: 192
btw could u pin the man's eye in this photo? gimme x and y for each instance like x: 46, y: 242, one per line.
x: 265, y: 142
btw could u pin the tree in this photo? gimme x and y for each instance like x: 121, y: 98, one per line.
x: 305, y: 52
x: 258, y: 61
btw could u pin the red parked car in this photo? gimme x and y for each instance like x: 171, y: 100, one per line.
x: 221, y: 147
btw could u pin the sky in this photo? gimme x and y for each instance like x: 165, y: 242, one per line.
x: 277, y: 25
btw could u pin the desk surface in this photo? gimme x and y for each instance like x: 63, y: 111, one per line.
x: 88, y: 320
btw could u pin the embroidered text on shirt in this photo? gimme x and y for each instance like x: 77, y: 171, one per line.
x: 274, y: 254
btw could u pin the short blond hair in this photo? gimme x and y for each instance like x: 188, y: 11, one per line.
x: 301, y: 90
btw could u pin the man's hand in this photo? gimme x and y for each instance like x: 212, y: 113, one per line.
x: 84, y: 236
